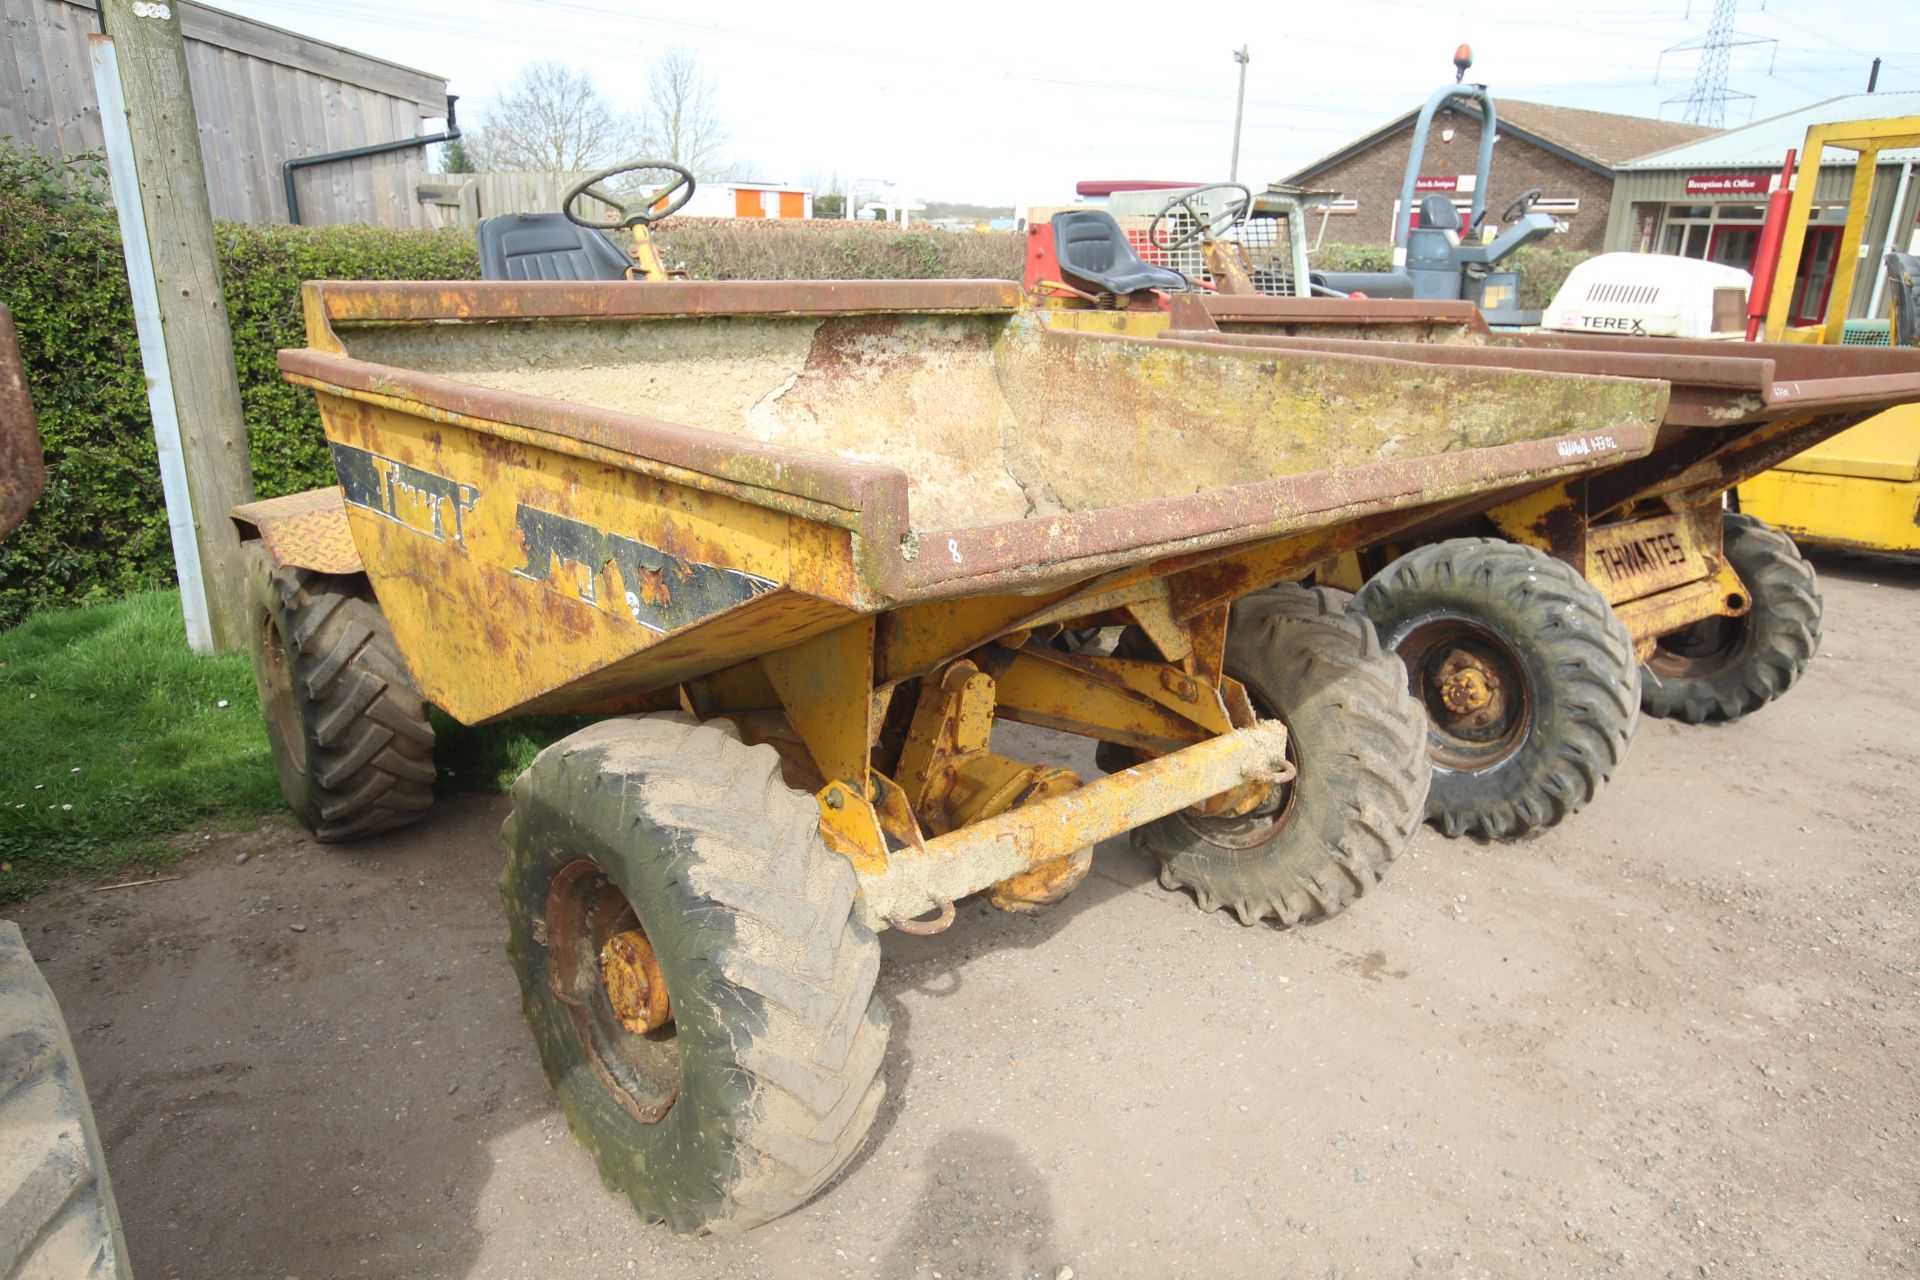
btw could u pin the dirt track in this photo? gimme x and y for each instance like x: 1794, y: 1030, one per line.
x: 1676, y: 1037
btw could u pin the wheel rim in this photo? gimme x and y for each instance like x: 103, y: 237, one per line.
x: 282, y: 712
x: 1703, y: 648
x: 601, y: 966
x: 1473, y: 688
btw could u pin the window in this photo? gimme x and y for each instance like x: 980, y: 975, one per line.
x: 1734, y: 246
x: 1725, y: 233
x: 1685, y: 240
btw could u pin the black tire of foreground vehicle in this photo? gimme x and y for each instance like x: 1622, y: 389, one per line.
x: 1725, y: 668
x: 57, y: 1213
x: 1528, y: 680
x: 351, y: 742
x: 1357, y: 741
x: 767, y: 1077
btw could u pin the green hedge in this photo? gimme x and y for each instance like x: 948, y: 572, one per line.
x: 100, y: 530
x: 263, y: 267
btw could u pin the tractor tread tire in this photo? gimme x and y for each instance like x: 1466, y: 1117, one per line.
x: 1358, y: 738
x: 1562, y: 628
x: 1783, y: 625
x: 57, y: 1213
x: 368, y: 746
x: 770, y: 968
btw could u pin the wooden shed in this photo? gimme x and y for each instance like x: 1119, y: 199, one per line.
x: 263, y: 96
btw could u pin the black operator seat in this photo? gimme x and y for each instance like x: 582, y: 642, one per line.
x: 1094, y: 254
x: 546, y: 246
x: 1437, y: 213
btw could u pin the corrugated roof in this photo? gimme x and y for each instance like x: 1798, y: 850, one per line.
x: 1599, y: 140
x: 1764, y: 143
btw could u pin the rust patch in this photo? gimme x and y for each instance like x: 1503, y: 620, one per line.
x: 23, y: 469
x: 304, y: 530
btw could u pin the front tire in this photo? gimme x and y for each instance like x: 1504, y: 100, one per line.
x: 351, y: 742
x: 57, y: 1212
x: 763, y: 1084
x: 1527, y: 678
x: 1354, y: 736
x: 1725, y: 668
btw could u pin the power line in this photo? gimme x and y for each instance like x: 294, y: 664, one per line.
x: 1707, y: 103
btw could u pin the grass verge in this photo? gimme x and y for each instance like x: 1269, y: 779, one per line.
x: 113, y: 736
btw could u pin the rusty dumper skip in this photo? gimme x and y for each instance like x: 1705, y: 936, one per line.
x: 803, y: 544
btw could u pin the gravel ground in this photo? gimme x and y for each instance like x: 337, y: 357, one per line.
x: 1673, y: 1038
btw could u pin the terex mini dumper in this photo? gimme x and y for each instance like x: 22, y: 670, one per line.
x: 801, y: 544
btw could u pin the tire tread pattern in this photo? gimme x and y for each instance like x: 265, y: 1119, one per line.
x: 369, y: 744
x: 57, y: 1213
x: 1785, y: 621
x: 1575, y: 642
x: 785, y: 976
x: 1360, y: 741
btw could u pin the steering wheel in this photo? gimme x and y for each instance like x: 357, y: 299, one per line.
x: 1521, y: 206
x: 1203, y: 227
x: 634, y: 198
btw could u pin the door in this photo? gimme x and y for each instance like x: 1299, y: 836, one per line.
x: 746, y: 202
x: 1814, y: 280
x: 1734, y: 246
x: 793, y: 204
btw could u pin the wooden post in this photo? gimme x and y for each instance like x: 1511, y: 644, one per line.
x: 165, y: 136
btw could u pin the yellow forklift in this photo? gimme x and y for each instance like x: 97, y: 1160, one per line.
x: 1860, y: 489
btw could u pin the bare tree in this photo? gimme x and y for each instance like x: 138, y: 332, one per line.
x: 829, y: 193
x: 680, y: 122
x: 552, y: 119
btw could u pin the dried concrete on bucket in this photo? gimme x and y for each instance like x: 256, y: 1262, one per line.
x: 994, y: 419
x: 922, y: 397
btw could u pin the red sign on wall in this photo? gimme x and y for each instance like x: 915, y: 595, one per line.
x: 1448, y: 183
x: 1726, y: 184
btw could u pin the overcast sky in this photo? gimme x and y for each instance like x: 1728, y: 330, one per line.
x: 1014, y: 102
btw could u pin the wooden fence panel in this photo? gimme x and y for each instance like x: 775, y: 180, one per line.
x: 263, y: 96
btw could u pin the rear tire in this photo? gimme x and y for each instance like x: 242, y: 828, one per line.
x: 765, y: 1082
x: 57, y: 1214
x: 1528, y: 681
x: 1355, y: 737
x: 1725, y: 668
x: 350, y: 737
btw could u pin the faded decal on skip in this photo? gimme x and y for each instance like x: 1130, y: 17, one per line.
x: 432, y: 504
x: 661, y: 592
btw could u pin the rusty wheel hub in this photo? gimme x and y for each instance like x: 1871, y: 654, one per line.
x: 635, y: 988
x: 601, y: 965
x: 1473, y: 688
x: 1470, y: 689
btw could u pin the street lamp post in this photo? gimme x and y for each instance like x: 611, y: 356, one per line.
x: 1239, y: 110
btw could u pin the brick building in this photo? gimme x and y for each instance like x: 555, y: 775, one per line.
x: 1571, y: 155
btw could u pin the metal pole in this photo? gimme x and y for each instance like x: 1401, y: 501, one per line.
x: 1239, y: 111
x: 1894, y: 224
x: 1873, y: 76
